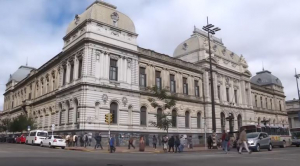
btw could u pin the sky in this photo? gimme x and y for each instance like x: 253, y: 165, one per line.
x: 265, y: 32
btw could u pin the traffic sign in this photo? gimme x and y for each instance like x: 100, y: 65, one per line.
x: 108, y: 118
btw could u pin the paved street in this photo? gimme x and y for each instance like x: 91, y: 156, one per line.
x: 15, y: 154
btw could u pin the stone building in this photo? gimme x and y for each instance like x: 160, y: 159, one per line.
x: 101, y: 69
x: 293, y: 109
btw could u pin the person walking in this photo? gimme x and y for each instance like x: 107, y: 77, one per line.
x: 154, y: 141
x: 67, y: 140
x: 171, y: 143
x: 130, y: 143
x: 225, y: 141
x: 209, y: 142
x: 165, y: 143
x: 182, y: 143
x: 190, y: 142
x: 90, y: 136
x: 177, y: 144
x: 98, y: 141
x: 112, y: 144
x: 243, y: 141
x: 142, y: 144
x: 74, y: 140
x: 85, y: 140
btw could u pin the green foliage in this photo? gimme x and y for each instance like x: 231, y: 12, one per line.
x: 20, y: 124
x: 5, y: 124
x: 167, y: 101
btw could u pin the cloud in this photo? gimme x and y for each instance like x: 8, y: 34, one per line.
x: 260, y: 30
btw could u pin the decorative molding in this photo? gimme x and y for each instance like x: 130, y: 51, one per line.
x: 129, y: 62
x: 231, y: 55
x: 124, y: 101
x: 185, y: 46
x: 114, y: 56
x: 226, y: 61
x: 104, y: 98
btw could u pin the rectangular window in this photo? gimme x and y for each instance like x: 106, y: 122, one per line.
x: 157, y: 79
x: 227, y: 94
x: 266, y: 103
x: 185, y: 86
x: 71, y: 72
x: 172, y: 84
x: 143, y: 77
x: 79, y: 68
x: 255, y: 101
x: 196, y: 82
x: 261, y: 102
x: 64, y: 75
x: 219, y: 92
x: 271, y: 103
x: 113, y: 73
x: 235, y: 96
x: 247, y: 96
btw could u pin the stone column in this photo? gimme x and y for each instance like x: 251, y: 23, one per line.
x: 206, y: 86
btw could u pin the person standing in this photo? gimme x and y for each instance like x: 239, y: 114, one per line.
x: 90, y: 136
x: 182, y: 143
x: 112, y: 144
x: 130, y: 143
x: 225, y: 141
x: 171, y: 143
x: 209, y: 142
x: 190, y: 142
x: 142, y: 144
x: 154, y: 141
x: 74, y: 140
x: 85, y: 140
x: 67, y: 140
x: 165, y: 143
x: 243, y: 141
x: 177, y: 144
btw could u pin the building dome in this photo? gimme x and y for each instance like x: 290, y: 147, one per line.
x: 265, y: 78
x: 20, y: 74
x: 106, y: 13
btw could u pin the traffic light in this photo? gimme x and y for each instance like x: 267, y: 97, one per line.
x: 108, y: 118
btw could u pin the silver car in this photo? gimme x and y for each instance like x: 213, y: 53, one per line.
x: 259, y: 140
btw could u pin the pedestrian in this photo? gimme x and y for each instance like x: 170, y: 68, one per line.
x: 182, y: 143
x: 98, y: 141
x: 67, y: 139
x: 171, y: 143
x: 74, y: 140
x: 154, y: 141
x: 209, y: 142
x: 226, y: 139
x: 112, y: 144
x: 90, y: 136
x: 142, y: 144
x: 177, y: 144
x: 85, y: 140
x: 70, y: 141
x: 81, y: 140
x: 165, y: 143
x: 130, y: 143
x: 243, y: 141
x: 190, y: 142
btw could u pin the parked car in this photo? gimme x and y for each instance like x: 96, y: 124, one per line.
x: 35, y: 137
x: 258, y: 141
x: 3, y: 138
x: 21, y: 139
x: 53, y: 141
x: 11, y: 138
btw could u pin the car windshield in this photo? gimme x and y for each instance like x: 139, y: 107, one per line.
x: 296, y: 135
x: 252, y: 135
x: 58, y: 137
x: 42, y: 134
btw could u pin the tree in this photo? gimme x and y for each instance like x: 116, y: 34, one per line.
x: 5, y: 124
x: 20, y: 123
x: 167, y: 102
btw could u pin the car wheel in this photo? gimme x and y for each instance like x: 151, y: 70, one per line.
x: 50, y: 145
x: 63, y: 147
x: 41, y: 144
x: 257, y: 148
x: 26, y: 142
x: 32, y: 143
x: 297, y: 145
x: 270, y: 147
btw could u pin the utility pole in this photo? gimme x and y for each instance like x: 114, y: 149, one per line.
x: 211, y: 31
x: 297, y: 77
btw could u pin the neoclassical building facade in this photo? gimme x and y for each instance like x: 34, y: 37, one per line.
x: 101, y: 69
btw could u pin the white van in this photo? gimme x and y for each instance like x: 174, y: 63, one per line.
x: 35, y: 137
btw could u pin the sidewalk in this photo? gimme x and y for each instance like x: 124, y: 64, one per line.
x: 148, y: 149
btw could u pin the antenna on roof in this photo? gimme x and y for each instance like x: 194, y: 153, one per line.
x: 27, y: 61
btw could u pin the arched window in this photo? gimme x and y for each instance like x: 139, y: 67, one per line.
x: 187, y: 119
x: 114, y: 112
x: 77, y: 114
x: 159, y: 114
x: 68, y: 112
x: 143, y: 116
x: 222, y: 121
x: 60, y: 114
x: 240, y: 123
x: 198, y: 120
x: 174, y: 118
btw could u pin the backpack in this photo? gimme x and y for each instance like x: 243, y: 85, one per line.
x: 227, y: 138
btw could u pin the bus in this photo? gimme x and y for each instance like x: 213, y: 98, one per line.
x: 295, y: 136
x: 280, y: 136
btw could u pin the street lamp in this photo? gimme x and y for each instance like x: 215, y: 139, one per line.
x: 209, y: 30
x: 297, y: 77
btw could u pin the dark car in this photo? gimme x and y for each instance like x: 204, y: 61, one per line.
x: 11, y: 138
x: 3, y: 138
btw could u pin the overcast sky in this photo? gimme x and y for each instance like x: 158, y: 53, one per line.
x: 263, y: 31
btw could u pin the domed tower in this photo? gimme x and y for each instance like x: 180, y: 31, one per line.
x: 266, y: 79
x: 102, y: 22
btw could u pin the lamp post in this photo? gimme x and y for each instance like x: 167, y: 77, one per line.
x: 297, y: 77
x: 211, y: 31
